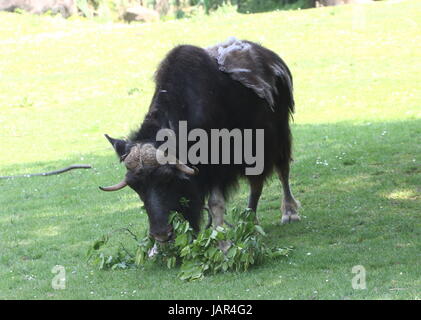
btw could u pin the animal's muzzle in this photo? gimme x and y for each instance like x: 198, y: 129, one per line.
x: 163, y: 236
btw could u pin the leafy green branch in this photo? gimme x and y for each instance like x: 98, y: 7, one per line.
x: 208, y: 252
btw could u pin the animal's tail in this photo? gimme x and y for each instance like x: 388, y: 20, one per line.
x: 284, y: 87
x: 284, y: 107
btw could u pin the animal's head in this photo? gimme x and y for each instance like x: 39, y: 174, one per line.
x: 163, y: 188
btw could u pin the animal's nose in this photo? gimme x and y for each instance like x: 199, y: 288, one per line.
x: 163, y: 236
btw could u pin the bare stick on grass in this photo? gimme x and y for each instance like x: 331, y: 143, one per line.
x: 50, y: 173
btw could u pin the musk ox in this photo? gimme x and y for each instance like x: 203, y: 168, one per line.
x: 235, y: 85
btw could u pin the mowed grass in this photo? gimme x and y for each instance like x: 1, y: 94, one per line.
x: 357, y: 151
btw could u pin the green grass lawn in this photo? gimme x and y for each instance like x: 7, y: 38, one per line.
x: 357, y: 150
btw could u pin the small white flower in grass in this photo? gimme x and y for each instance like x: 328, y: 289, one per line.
x: 322, y: 162
x: 309, y: 253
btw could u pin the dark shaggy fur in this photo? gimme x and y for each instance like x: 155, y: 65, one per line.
x: 190, y: 86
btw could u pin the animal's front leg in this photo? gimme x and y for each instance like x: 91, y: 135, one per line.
x: 216, y: 205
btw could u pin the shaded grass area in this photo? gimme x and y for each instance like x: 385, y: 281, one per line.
x: 362, y: 209
x: 357, y: 150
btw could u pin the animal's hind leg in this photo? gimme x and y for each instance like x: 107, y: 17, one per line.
x: 289, y: 204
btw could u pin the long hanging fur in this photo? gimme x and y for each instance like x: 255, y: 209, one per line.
x: 243, y: 85
x: 254, y: 67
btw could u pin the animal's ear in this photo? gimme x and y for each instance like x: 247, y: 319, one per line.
x: 118, y: 145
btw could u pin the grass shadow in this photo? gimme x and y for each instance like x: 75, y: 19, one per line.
x: 359, y: 185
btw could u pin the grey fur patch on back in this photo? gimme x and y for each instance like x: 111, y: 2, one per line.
x: 242, y: 61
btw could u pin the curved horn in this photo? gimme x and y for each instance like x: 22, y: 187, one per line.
x: 186, y: 169
x: 161, y: 158
x: 115, y: 187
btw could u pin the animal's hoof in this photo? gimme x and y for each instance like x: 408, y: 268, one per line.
x: 294, y: 218
x: 285, y: 219
x: 290, y: 218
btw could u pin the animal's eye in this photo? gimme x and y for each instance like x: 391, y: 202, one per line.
x: 133, y: 180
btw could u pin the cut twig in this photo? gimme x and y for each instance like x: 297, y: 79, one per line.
x: 50, y: 173
x: 127, y: 230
